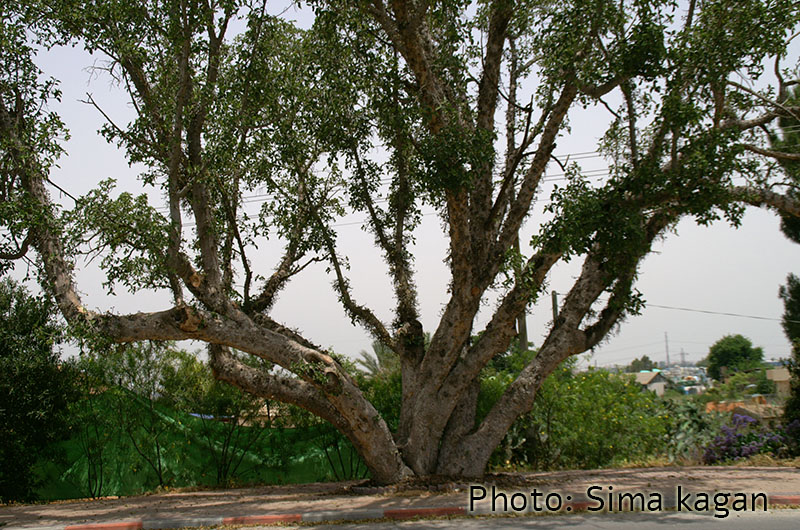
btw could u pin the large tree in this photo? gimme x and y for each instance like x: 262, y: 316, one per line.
x: 386, y: 108
x: 733, y: 353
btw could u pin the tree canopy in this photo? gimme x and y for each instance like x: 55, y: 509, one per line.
x: 383, y: 109
x: 734, y: 353
x: 638, y: 365
x: 790, y: 294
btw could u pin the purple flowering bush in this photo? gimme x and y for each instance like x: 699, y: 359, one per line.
x: 792, y: 437
x: 745, y: 437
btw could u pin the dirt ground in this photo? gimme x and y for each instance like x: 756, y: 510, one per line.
x: 354, y: 496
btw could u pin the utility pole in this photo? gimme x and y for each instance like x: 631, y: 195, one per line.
x: 555, y: 306
x: 666, y: 346
x: 522, y: 321
x: 522, y: 331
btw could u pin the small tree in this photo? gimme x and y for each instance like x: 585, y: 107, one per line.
x: 35, y: 389
x: 791, y: 409
x: 93, y: 427
x: 637, y: 365
x: 790, y: 294
x: 582, y: 420
x: 734, y: 353
x: 132, y: 376
x: 231, y: 420
x: 789, y: 139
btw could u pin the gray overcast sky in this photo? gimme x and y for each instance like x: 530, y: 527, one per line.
x: 715, y: 268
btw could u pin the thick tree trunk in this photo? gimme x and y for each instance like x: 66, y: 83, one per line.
x: 469, y: 456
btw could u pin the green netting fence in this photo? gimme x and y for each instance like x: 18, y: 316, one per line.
x: 101, y: 459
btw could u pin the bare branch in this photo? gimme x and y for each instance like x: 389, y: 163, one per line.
x: 22, y: 249
x: 520, y: 206
x: 779, y: 155
x: 91, y: 101
x: 788, y: 110
x: 562, y: 165
x: 506, y: 194
x: 609, y: 109
x: 743, y: 125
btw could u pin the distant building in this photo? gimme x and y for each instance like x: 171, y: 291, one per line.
x: 782, y: 378
x: 653, y: 381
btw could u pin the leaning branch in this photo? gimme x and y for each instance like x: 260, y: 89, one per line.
x: 778, y: 105
x: 760, y: 197
x: 261, y: 383
x: 778, y: 155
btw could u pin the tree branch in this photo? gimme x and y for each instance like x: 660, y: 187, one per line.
x: 481, y: 196
x: 788, y: 110
x: 277, y: 280
x: 598, y: 91
x: 627, y: 91
x: 779, y: 155
x: 521, y: 205
x: 500, y: 330
x: 783, y: 204
x: 263, y: 384
x: 22, y: 249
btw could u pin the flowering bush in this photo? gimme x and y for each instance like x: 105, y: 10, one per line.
x: 744, y: 437
x: 792, y: 437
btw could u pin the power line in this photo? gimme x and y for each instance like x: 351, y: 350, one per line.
x: 708, y: 312
x: 589, y: 173
x: 636, y: 347
x: 721, y: 313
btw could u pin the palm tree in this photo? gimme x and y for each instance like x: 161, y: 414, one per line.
x: 383, y: 360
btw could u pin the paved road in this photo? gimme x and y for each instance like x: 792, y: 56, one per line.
x: 772, y: 520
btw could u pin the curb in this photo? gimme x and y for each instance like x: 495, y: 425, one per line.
x: 576, y: 506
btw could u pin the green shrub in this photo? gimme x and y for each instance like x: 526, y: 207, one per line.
x: 35, y: 389
x: 690, y: 428
x: 580, y: 420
